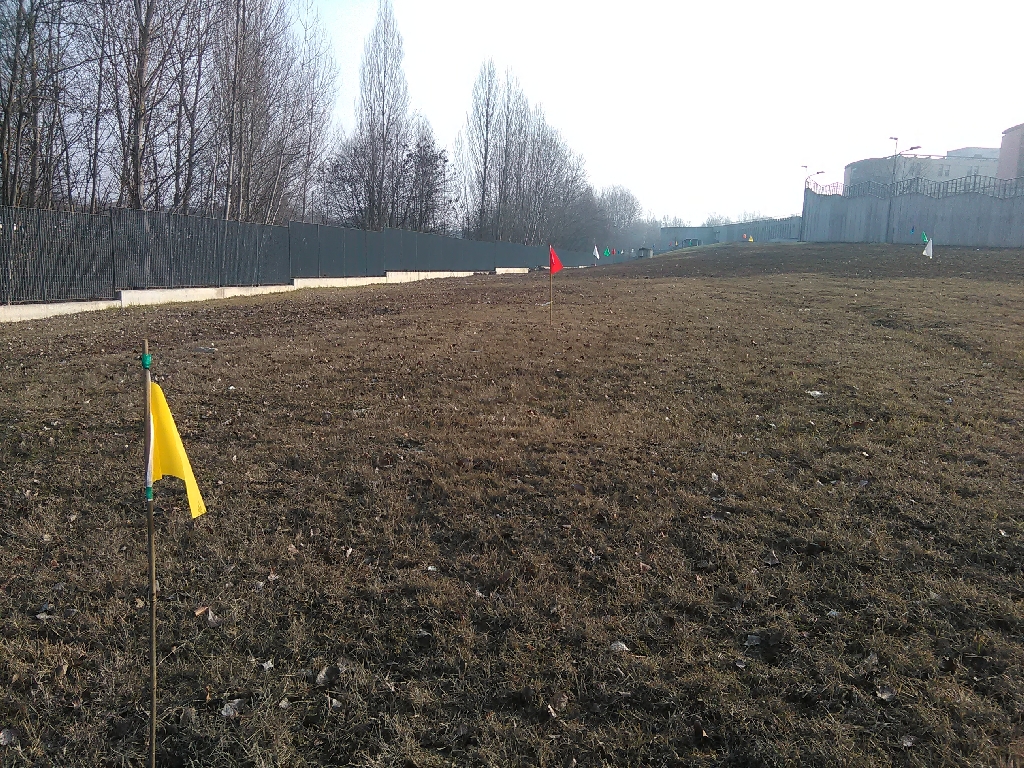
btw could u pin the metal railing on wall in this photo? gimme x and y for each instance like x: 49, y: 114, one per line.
x: 50, y: 256
x: 977, y: 185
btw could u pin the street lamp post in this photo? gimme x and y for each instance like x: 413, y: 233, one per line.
x: 895, y: 152
x: 889, y: 238
x: 803, y: 212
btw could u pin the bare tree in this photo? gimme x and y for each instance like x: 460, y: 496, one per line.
x: 424, y: 202
x: 716, y: 220
x: 518, y: 179
x: 620, y: 207
x: 223, y: 107
x: 375, y: 152
x: 316, y: 80
x: 194, y: 106
x: 480, y: 140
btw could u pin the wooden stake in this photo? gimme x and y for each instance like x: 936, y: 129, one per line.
x: 551, y: 298
x: 152, y: 558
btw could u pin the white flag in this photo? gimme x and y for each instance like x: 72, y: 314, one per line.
x: 928, y: 250
x: 596, y: 254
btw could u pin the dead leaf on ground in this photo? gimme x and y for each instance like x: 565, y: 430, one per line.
x: 233, y: 708
x: 885, y: 693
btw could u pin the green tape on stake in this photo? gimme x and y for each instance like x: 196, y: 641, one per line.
x: 147, y: 360
x: 149, y: 493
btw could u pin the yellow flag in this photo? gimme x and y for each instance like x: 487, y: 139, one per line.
x: 167, y: 455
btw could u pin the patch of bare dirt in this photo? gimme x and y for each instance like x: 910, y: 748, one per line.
x: 747, y: 505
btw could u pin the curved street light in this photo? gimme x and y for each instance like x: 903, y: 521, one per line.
x: 896, y: 154
x: 802, y: 212
x: 892, y: 187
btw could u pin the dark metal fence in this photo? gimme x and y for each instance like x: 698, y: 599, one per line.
x: 54, y: 256
x: 60, y: 256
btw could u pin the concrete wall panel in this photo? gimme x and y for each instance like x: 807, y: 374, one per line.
x: 972, y: 220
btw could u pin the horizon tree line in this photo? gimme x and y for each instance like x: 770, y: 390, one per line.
x: 222, y: 108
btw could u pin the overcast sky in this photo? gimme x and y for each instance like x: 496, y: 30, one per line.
x: 702, y: 107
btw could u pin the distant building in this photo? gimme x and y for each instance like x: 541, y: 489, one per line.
x: 955, y: 164
x: 685, y: 237
x: 1011, y: 153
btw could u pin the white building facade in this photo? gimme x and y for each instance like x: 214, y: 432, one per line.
x: 955, y: 164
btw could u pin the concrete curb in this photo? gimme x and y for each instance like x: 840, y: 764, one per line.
x: 175, y: 295
x: 15, y: 313
x: 412, y: 277
x: 301, y: 283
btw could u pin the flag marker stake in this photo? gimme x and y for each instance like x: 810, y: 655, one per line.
x: 554, y: 265
x: 147, y: 419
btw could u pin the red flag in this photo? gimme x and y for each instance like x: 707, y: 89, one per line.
x: 555, y: 262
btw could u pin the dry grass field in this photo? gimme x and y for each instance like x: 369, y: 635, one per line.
x: 443, y: 532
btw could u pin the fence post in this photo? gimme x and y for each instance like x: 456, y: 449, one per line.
x: 113, y: 261
x: 42, y: 253
x: 223, y: 252
x: 259, y: 234
x: 9, y: 266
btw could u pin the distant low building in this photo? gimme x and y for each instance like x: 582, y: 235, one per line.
x: 955, y: 164
x: 1011, y: 153
x: 685, y: 237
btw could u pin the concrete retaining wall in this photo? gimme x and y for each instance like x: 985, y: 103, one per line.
x: 973, y: 220
x: 838, y: 219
